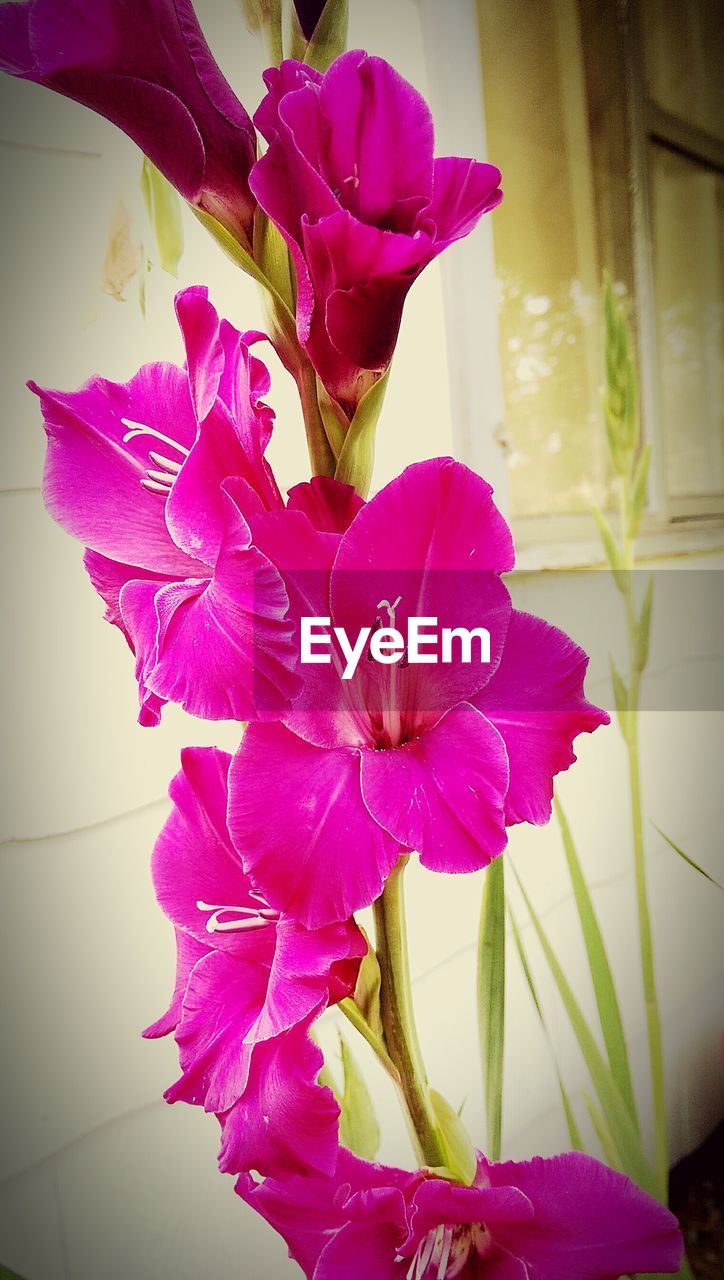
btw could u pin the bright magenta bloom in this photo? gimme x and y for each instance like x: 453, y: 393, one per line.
x: 158, y: 477
x: 145, y: 65
x: 568, y: 1218
x: 438, y: 758
x: 351, y: 181
x: 249, y: 983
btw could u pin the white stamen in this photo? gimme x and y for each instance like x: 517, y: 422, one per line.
x: 161, y: 476
x: 153, y: 486
x: 445, y: 1256
x: 391, y: 608
x: 167, y: 463
x: 247, y: 918
x: 136, y: 429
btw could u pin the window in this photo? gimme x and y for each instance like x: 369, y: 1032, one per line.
x: 605, y: 116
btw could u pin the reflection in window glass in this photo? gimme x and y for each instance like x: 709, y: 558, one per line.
x: 688, y: 270
x: 681, y: 39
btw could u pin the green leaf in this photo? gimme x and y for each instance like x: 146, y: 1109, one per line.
x: 367, y: 991
x: 603, y: 1133
x: 462, y: 1160
x: 687, y: 859
x: 637, y: 495
x: 620, y: 693
x: 643, y: 628
x: 163, y: 207
x: 618, y: 1117
x: 336, y: 424
x: 604, y: 987
x: 265, y: 16
x: 329, y: 38
x: 7, y: 1274
x: 610, y: 547
x: 358, y: 1127
x: 573, y: 1131
x: 358, y: 451
x: 491, y: 999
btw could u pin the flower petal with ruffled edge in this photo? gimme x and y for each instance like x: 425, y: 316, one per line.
x: 535, y: 700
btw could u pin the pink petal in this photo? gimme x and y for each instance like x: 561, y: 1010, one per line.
x: 302, y: 970
x: 285, y: 1123
x: 535, y: 699
x: 590, y: 1222
x: 92, y: 480
x: 188, y: 952
x: 222, y: 999
x: 237, y: 621
x: 378, y: 141
x: 463, y: 190
x: 194, y: 860
x: 137, y: 605
x: 297, y: 816
x: 362, y: 1250
x: 443, y: 793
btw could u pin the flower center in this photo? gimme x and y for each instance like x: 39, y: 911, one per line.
x: 444, y: 1251
x: 230, y: 919
x: 160, y: 477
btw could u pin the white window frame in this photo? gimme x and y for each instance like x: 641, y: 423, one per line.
x: 452, y: 43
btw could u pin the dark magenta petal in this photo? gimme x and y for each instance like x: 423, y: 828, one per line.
x: 144, y: 65
x: 323, y: 856
x: 589, y: 1221
x: 350, y: 180
x: 100, y: 439
x: 285, y: 1123
x: 360, y: 1251
x: 330, y: 506
x: 443, y: 793
x: 535, y: 699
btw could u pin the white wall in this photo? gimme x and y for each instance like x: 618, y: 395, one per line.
x: 99, y: 1179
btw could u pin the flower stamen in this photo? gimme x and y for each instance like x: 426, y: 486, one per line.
x: 243, y: 919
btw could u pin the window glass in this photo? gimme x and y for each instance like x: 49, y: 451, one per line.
x: 555, y: 119
x: 688, y: 271
x: 681, y: 39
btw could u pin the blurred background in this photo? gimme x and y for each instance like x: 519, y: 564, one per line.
x: 606, y: 120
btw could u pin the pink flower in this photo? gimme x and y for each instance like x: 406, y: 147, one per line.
x: 145, y: 65
x: 249, y: 984
x: 351, y: 181
x: 158, y: 477
x: 437, y: 758
x: 567, y: 1218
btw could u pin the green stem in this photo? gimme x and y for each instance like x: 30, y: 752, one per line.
x: 399, y: 1022
x: 320, y: 453
x: 653, y: 1018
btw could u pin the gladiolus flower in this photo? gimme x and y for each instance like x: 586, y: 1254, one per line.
x: 439, y: 758
x: 351, y: 182
x: 146, y: 67
x: 140, y: 472
x: 249, y: 983
x: 567, y: 1218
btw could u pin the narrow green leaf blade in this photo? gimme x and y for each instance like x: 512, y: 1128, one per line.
x: 491, y: 999
x: 687, y: 859
x: 610, y: 547
x: 330, y: 35
x: 618, y: 1116
x: 358, y: 1127
x: 609, y: 1010
x: 573, y: 1131
x: 643, y: 628
x: 603, y: 1133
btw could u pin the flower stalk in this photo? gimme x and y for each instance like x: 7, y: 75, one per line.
x: 399, y: 1021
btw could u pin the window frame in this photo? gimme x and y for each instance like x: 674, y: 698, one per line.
x: 670, y: 527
